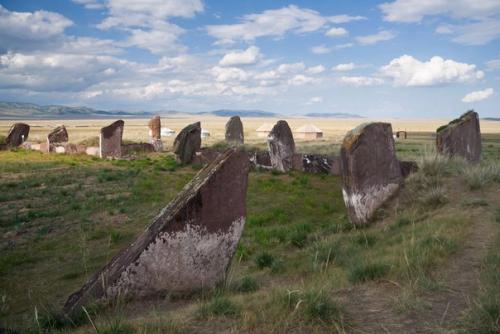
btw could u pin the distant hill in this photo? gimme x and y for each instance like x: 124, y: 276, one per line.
x: 497, y: 119
x: 15, y: 110
x: 242, y: 113
x: 333, y: 115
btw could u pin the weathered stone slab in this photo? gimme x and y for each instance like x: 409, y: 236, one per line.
x: 57, y: 137
x: 461, y: 137
x: 205, y: 156
x: 408, y: 167
x: 18, y: 133
x: 110, y: 140
x: 316, y: 163
x: 155, y: 133
x: 187, y: 143
x: 371, y: 174
x: 260, y: 159
x: 234, y: 131
x: 281, y: 146
x: 189, y: 245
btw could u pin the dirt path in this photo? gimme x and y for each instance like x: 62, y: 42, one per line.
x: 371, y: 306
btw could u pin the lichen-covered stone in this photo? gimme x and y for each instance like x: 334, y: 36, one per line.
x: 234, y: 131
x: 461, y: 137
x: 371, y: 174
x: 110, y: 140
x: 56, y: 138
x: 187, y: 143
x: 281, y: 147
x: 18, y: 133
x: 189, y: 245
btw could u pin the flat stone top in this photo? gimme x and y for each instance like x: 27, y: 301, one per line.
x: 468, y: 116
x: 352, y: 136
x: 109, y: 131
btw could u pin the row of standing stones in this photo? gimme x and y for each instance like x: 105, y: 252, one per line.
x: 190, y: 243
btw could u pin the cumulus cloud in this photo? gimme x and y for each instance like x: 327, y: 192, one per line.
x: 274, y: 23
x: 25, y: 30
x: 316, y: 69
x: 416, y: 10
x: 383, y: 35
x: 242, y: 57
x: 344, y: 67
x: 409, y: 71
x: 360, y: 81
x: 336, y: 32
x: 90, y: 4
x: 478, y: 95
x: 320, y: 49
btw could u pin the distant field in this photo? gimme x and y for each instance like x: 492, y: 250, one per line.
x: 137, y: 130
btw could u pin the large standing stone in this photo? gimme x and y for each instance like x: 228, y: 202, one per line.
x: 110, y: 140
x: 187, y: 143
x: 189, y: 245
x: 155, y: 133
x: 371, y: 174
x: 234, y: 131
x: 281, y: 146
x: 18, y: 133
x: 57, y: 137
x: 461, y: 137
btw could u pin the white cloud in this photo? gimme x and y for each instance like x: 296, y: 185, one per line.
x: 493, y: 64
x: 224, y: 74
x: 162, y: 39
x: 90, y: 4
x: 275, y: 23
x: 360, y: 81
x: 416, y: 10
x: 320, y: 49
x: 25, y: 30
x: 478, y: 33
x: 383, y: 35
x: 409, y: 71
x: 300, y: 79
x: 291, y: 68
x: 337, y: 19
x: 444, y: 30
x: 336, y: 32
x: 242, y: 57
x: 344, y: 67
x: 316, y: 69
x: 314, y: 100
x: 343, y: 46
x: 478, y: 95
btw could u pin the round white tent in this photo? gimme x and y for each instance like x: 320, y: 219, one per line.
x: 308, y: 131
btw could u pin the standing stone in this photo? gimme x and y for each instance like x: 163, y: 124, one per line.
x: 371, y: 174
x: 57, y: 137
x: 189, y: 245
x: 18, y: 133
x: 110, y: 140
x: 461, y: 137
x: 187, y: 143
x: 155, y: 133
x: 234, y: 131
x: 281, y: 147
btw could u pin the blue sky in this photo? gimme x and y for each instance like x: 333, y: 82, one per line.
x: 393, y: 58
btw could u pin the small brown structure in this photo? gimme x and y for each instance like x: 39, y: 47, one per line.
x: 155, y: 133
x: 401, y: 134
x: 187, y: 143
x: 371, y: 174
x: 281, y: 146
x: 110, y: 140
x: 18, y: 133
x: 189, y: 245
x: 308, y: 131
x: 461, y: 137
x: 234, y: 131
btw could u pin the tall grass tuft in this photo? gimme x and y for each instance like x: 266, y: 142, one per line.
x: 478, y: 176
x: 433, y: 197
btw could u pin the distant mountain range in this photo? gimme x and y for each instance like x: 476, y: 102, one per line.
x: 18, y: 110
x: 492, y: 119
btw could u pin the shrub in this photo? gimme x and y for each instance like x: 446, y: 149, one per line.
x: 434, y: 197
x: 245, y: 285
x: 264, y: 260
x: 433, y: 164
x: 218, y: 306
x: 361, y: 271
x: 479, y: 176
x: 313, y: 306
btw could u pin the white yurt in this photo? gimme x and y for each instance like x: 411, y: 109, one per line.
x: 264, y: 129
x: 166, y: 132
x: 205, y: 133
x: 308, y: 131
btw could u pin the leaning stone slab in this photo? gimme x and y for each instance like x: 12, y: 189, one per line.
x: 189, y: 245
x: 234, y: 131
x: 408, y: 167
x: 281, y: 146
x: 461, y: 137
x: 18, y: 133
x: 371, y: 174
x: 260, y: 159
x: 155, y: 133
x: 57, y: 137
x: 187, y: 143
x: 110, y: 140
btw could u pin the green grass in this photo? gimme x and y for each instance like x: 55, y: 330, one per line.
x: 218, y: 306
